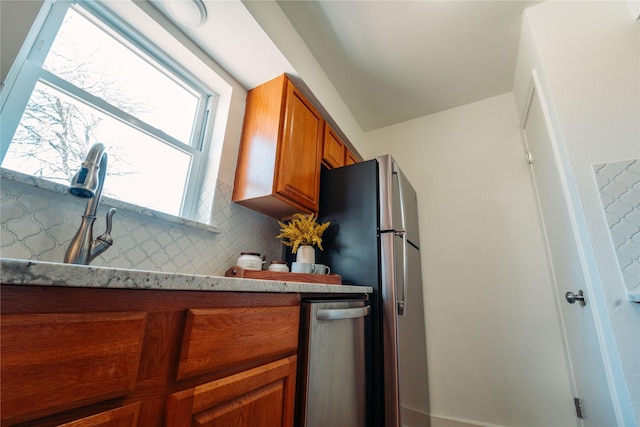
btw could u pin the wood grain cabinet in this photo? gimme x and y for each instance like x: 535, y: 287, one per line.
x: 52, y: 362
x: 278, y: 167
x: 335, y: 152
x: 263, y: 396
x: 81, y: 357
x: 125, y: 416
x: 333, y: 149
x: 217, y: 339
x: 350, y: 158
x: 285, y: 139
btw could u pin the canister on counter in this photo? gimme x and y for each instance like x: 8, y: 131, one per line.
x: 250, y: 261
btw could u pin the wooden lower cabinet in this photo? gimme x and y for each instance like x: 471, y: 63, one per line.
x: 263, y: 396
x: 125, y: 416
x: 81, y: 357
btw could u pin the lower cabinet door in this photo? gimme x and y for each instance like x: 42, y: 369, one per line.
x: 263, y: 396
x: 125, y: 416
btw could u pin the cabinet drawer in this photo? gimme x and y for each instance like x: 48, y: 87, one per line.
x: 220, y: 338
x: 54, y: 362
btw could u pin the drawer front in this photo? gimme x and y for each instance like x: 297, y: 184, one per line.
x: 220, y: 338
x: 54, y: 362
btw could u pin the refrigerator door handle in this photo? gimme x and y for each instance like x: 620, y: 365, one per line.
x: 402, y: 233
x: 342, y: 313
x: 396, y: 172
x: 402, y: 306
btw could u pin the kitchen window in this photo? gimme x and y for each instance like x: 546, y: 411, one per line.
x: 91, y: 77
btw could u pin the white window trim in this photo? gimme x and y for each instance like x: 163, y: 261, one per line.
x: 178, y: 48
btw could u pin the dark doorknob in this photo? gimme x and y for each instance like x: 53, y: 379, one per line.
x: 571, y: 297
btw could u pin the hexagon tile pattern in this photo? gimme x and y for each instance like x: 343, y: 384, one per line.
x: 619, y: 185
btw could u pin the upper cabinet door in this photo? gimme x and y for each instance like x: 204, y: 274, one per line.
x: 281, y: 151
x: 333, y: 149
x: 349, y: 158
x: 298, y: 162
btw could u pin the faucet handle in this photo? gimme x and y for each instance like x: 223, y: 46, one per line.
x: 103, y: 242
x: 106, y: 237
x: 110, y: 215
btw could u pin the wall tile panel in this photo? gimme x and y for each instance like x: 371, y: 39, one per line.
x: 619, y: 185
x: 38, y: 224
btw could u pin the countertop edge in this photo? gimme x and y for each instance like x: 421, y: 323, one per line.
x: 42, y: 273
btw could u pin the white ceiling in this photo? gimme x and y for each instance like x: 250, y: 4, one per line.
x: 391, y: 61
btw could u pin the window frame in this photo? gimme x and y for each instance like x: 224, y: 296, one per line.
x: 28, y: 70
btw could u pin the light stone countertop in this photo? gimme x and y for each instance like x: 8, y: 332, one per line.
x: 40, y: 273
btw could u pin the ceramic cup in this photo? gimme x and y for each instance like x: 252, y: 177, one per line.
x: 320, y: 269
x: 301, y: 267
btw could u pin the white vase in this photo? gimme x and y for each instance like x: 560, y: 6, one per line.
x: 306, y: 254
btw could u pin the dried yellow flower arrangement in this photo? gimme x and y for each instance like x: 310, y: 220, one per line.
x: 302, y: 230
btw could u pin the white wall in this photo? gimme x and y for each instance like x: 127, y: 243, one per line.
x: 588, y: 54
x: 493, y: 339
x: 16, y: 18
x: 275, y: 23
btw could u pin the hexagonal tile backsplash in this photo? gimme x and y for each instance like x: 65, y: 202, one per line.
x: 619, y: 185
x: 38, y: 224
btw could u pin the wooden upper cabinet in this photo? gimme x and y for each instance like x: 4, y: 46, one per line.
x: 333, y: 149
x: 298, y: 164
x: 335, y: 153
x: 349, y: 158
x: 278, y: 166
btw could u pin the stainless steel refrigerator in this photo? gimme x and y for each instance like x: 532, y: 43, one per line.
x: 373, y: 241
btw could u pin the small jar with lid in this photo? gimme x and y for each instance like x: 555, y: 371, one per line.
x: 279, y: 266
x: 250, y: 261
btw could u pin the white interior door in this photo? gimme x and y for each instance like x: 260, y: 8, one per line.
x: 581, y: 341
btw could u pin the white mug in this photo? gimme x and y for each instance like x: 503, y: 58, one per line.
x: 301, y: 267
x: 320, y: 269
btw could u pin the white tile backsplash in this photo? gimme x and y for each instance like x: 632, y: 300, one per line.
x: 38, y: 224
x: 619, y: 185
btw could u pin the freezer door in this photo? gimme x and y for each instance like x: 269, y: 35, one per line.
x: 405, y: 202
x: 398, y: 201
